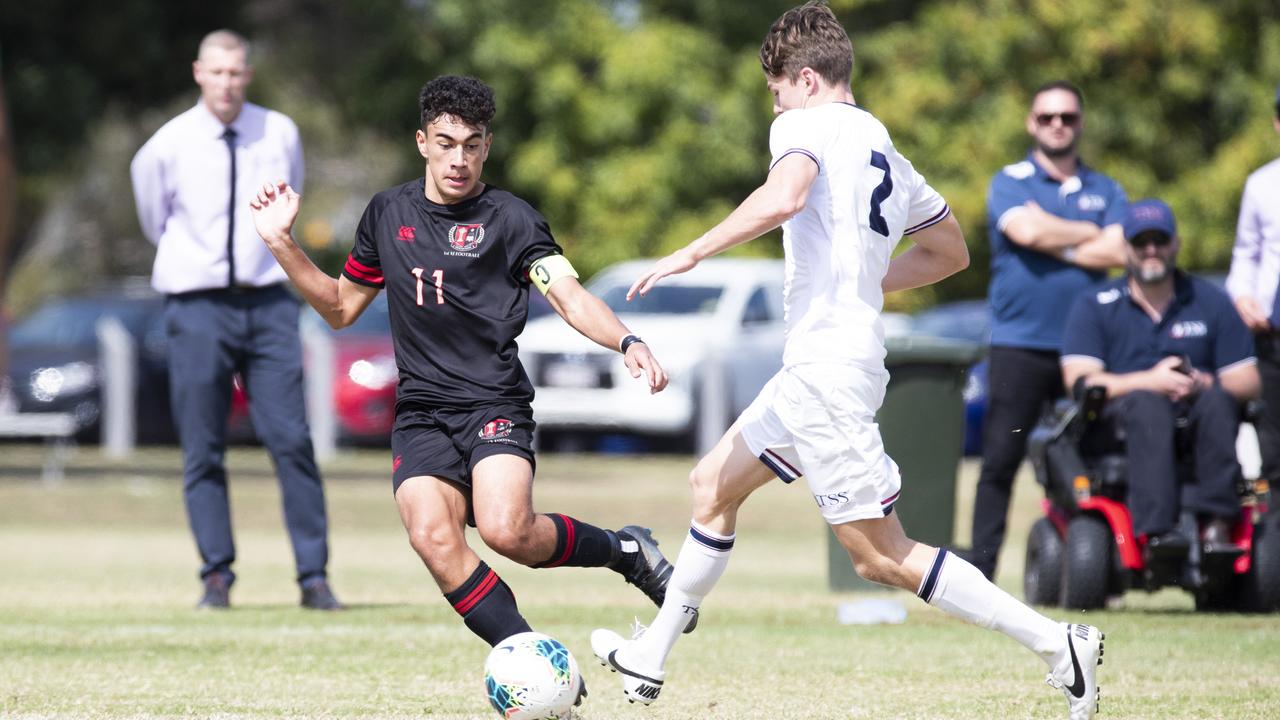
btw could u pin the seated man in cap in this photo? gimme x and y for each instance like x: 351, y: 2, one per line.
x: 1166, y: 346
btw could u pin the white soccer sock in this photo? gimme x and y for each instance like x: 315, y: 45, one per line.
x: 702, y: 561
x: 961, y: 590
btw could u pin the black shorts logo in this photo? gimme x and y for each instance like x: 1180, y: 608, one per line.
x: 495, y: 429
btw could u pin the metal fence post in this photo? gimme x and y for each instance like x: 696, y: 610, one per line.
x: 713, y: 402
x: 319, y: 350
x: 118, y: 360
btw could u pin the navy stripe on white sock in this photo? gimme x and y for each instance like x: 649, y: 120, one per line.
x: 714, y: 543
x: 930, y: 582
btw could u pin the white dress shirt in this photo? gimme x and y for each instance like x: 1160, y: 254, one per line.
x: 1255, y: 260
x: 181, y: 184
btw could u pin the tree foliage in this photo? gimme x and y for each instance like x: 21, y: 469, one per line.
x: 636, y: 124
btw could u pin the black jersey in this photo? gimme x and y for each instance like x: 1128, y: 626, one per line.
x: 457, y: 289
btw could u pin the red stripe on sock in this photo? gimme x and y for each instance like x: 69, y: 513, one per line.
x: 464, y: 605
x: 568, y: 541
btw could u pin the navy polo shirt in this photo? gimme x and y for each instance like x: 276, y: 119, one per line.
x: 1032, y: 291
x: 1108, y: 326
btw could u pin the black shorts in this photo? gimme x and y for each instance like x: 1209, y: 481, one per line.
x: 448, y: 443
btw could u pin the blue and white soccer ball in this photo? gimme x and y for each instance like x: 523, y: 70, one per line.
x: 531, y: 676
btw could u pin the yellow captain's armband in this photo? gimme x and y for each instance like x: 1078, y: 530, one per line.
x: 546, y: 270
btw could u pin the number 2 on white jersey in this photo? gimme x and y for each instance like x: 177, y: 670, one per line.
x: 881, y: 193
x: 438, y: 276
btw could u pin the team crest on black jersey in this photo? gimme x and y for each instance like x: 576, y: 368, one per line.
x: 465, y: 238
x: 495, y: 429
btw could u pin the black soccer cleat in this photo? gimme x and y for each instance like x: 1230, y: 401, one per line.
x: 649, y: 570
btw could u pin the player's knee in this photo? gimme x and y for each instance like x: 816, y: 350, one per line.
x: 512, y: 541
x: 709, y: 498
x: 433, y: 541
x: 878, y: 569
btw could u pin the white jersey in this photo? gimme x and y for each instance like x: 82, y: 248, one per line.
x: 865, y: 198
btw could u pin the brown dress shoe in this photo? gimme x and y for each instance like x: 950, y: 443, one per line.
x: 319, y: 596
x: 217, y: 593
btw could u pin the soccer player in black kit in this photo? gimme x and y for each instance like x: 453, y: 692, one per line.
x: 457, y: 257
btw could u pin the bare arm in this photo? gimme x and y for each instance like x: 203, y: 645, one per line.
x: 1105, y: 250
x: 338, y: 300
x: 939, y: 252
x: 1030, y: 226
x: 1242, y: 381
x: 588, y: 314
x: 1162, y: 378
x: 782, y: 195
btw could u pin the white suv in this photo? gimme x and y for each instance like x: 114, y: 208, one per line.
x: 717, y: 330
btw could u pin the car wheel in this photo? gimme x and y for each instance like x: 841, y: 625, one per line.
x: 1042, y: 575
x: 1087, y: 563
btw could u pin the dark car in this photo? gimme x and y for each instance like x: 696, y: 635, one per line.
x: 55, y: 364
x: 964, y: 320
x: 54, y: 361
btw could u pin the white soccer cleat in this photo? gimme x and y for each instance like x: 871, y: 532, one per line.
x: 1077, y: 673
x: 639, y: 683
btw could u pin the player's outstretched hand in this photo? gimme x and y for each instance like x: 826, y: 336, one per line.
x: 677, y: 262
x: 274, y: 209
x: 639, y: 359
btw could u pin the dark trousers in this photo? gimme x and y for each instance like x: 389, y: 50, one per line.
x: 1020, y: 384
x: 1146, y: 420
x: 1268, y: 426
x: 212, y: 335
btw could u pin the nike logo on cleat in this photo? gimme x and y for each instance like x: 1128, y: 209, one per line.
x: 648, y: 691
x: 1076, y: 688
x: 615, y: 666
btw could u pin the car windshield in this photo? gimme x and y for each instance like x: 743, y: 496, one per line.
x: 665, y: 300
x: 962, y: 322
x: 74, y: 322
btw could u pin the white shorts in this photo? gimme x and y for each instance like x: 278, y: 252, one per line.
x: 818, y: 421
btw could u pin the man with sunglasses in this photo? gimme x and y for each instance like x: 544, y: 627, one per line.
x: 1252, y: 284
x: 1167, y: 347
x: 1053, y: 225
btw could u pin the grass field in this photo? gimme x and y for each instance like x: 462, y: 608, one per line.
x: 97, y: 583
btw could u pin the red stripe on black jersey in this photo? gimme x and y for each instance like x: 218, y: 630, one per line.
x: 357, y: 271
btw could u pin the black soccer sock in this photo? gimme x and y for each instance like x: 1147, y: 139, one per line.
x: 487, y: 606
x: 579, y: 544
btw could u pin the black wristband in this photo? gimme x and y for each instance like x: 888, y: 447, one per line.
x: 627, y: 342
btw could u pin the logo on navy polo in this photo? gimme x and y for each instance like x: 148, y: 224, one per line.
x: 1020, y: 170
x: 496, y: 429
x: 1092, y: 203
x: 1106, y: 297
x: 406, y: 233
x: 1188, y: 329
x: 463, y: 239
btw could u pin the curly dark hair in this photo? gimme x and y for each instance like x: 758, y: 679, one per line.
x: 808, y: 36
x: 465, y: 98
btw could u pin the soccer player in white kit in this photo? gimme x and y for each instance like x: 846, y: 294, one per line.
x: 844, y: 197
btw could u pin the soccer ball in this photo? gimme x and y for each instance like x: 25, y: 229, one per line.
x: 531, y: 676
